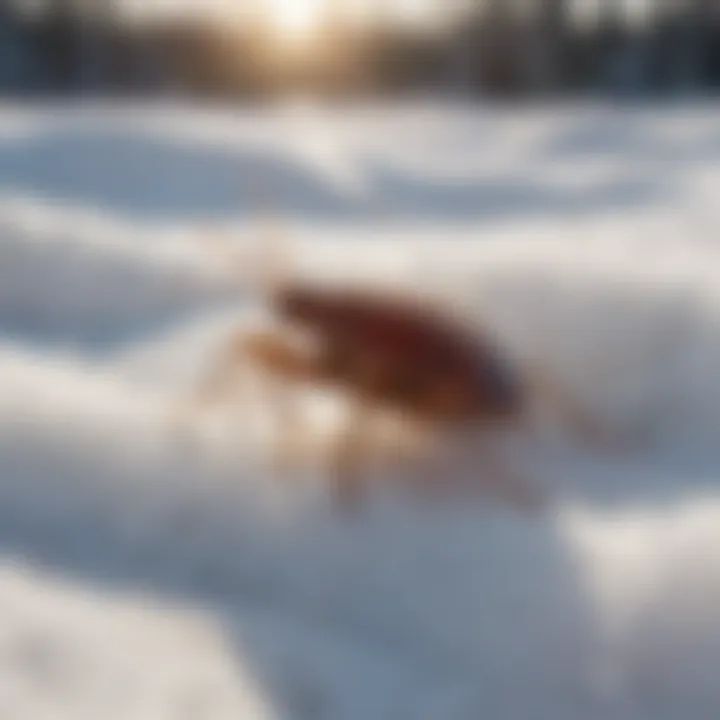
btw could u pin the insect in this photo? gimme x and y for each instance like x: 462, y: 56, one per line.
x: 388, y: 353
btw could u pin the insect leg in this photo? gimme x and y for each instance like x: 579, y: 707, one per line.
x: 348, y: 456
x: 492, y: 473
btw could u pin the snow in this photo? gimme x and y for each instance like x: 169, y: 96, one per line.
x: 150, y: 574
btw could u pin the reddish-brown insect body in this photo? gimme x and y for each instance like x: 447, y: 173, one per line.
x: 404, y: 355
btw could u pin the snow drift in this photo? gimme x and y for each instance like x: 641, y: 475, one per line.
x: 566, y: 234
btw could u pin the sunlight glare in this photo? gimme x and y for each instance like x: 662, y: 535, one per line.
x: 297, y: 18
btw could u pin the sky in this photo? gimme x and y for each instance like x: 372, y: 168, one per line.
x: 303, y: 14
x: 299, y: 13
x: 300, y: 17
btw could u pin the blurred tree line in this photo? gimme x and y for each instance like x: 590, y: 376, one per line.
x: 497, y: 47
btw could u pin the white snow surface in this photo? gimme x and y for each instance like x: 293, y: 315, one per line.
x: 147, y: 576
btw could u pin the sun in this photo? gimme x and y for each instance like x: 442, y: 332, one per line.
x: 297, y: 18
